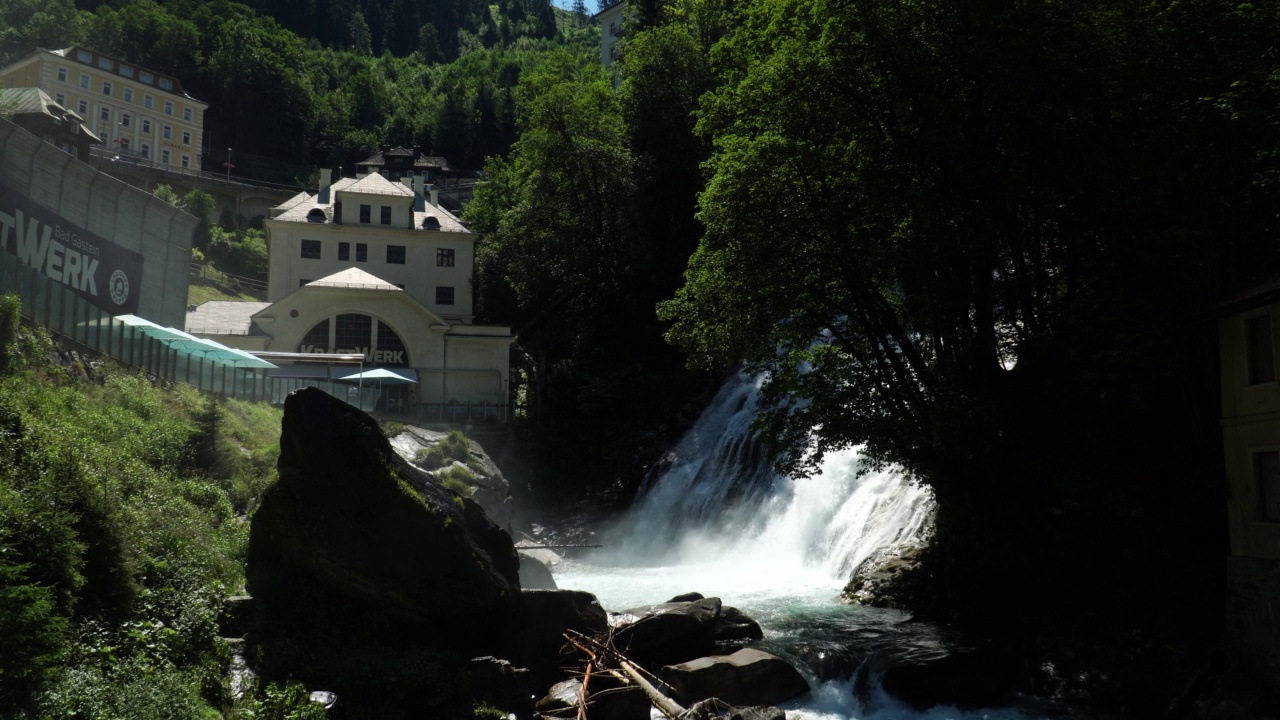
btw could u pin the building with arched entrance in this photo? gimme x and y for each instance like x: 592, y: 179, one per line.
x: 372, y: 268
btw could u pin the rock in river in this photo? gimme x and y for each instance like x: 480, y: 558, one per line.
x: 747, y: 677
x: 349, y: 518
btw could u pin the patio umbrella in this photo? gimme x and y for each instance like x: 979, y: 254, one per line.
x: 382, y: 376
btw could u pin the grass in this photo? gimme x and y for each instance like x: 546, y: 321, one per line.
x: 121, y: 531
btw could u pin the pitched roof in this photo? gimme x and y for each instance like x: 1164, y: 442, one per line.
x: 354, y: 278
x: 224, y: 317
x: 375, y: 184
x: 379, y: 159
x: 296, y: 208
x: 34, y: 101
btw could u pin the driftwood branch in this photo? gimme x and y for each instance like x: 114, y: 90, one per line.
x: 630, y: 672
x: 665, y: 705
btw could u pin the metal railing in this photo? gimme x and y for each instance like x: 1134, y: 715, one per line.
x: 136, y: 159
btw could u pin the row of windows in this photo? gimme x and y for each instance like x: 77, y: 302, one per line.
x: 109, y: 65
x: 126, y: 120
x: 444, y: 296
x: 312, y: 250
x: 127, y: 94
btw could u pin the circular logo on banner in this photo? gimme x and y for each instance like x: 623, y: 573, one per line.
x: 119, y: 287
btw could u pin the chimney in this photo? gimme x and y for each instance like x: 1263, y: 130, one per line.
x: 386, y: 148
x: 417, y: 151
x: 418, y: 202
x: 326, y: 177
x: 435, y: 195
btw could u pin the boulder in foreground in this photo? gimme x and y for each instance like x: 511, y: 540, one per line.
x: 747, y: 677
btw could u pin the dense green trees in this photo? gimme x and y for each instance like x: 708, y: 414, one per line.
x: 971, y: 236
x: 292, y: 84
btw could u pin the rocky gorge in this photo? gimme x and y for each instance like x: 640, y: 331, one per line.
x: 373, y: 580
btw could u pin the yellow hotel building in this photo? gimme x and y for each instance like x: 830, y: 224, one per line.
x: 133, y: 110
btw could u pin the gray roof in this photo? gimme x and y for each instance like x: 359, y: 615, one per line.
x: 375, y: 184
x: 34, y: 101
x: 296, y: 209
x: 224, y: 317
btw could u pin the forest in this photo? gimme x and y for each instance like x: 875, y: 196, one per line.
x: 984, y: 240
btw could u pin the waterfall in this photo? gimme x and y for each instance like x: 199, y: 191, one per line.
x: 717, y: 504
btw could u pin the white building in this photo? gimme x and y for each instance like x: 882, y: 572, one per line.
x: 610, y: 20
x: 375, y: 268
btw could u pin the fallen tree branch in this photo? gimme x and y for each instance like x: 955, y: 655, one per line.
x: 665, y: 705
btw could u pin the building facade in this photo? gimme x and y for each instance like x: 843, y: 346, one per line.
x: 374, y: 268
x: 610, y: 20
x: 34, y: 111
x: 133, y: 110
x: 1247, y: 335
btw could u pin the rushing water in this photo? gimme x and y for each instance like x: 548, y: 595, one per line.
x: 720, y: 522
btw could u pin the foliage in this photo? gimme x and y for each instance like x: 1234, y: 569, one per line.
x: 453, y: 446
x: 289, y: 701
x: 960, y: 236
x: 457, y: 478
x: 240, y: 252
x: 116, y: 545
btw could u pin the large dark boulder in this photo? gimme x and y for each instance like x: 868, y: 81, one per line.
x: 747, y: 677
x: 534, y: 574
x: 967, y: 680
x: 352, y: 521
x: 540, y: 645
x: 499, y: 684
x: 667, y: 633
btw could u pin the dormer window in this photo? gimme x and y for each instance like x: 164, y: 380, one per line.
x: 316, y: 215
x: 430, y: 223
x: 1259, y: 350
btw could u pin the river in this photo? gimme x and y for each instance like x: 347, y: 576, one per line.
x: 719, y: 521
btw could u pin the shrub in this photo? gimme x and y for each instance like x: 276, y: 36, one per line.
x: 457, y: 478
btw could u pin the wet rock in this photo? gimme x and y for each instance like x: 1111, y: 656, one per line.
x: 687, y: 597
x: 965, y: 680
x: 621, y: 703
x: 549, y: 614
x: 655, y: 635
x: 874, y: 582
x: 736, y: 625
x: 534, y: 574
x: 747, y: 677
x: 561, y: 700
x: 500, y: 684
x: 489, y: 487
x: 236, y: 616
x: 717, y: 709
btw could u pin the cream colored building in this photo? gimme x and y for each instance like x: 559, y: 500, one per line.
x: 134, y: 110
x: 610, y: 20
x: 374, y: 268
x: 1247, y: 338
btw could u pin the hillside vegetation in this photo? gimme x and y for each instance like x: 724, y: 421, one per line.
x: 122, y: 527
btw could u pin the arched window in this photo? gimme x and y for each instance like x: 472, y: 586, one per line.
x: 357, y: 333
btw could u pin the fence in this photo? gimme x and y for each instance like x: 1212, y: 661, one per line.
x: 66, y: 314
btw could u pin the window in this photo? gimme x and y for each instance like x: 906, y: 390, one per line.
x: 1266, y: 472
x: 84, y: 56
x: 386, y: 215
x: 105, y: 114
x: 186, y: 137
x: 311, y: 249
x: 125, y: 120
x: 147, y: 101
x: 84, y: 81
x: 146, y: 125
x: 164, y: 157
x: 146, y: 77
x: 145, y: 149
x: 126, y: 71
x: 444, y: 257
x: 365, y: 214
x: 352, y: 332
x: 168, y: 108
x: 106, y: 87
x: 83, y: 107
x: 60, y: 99
x: 362, y: 252
x: 444, y: 295
x: 62, y: 74
x: 186, y: 160
x: 395, y: 254
x: 344, y: 251
x: 186, y: 113
x: 1259, y: 351
x: 128, y: 95
x: 124, y: 143
x: 317, y: 340
x: 166, y: 84
x: 105, y: 63
x: 166, y: 132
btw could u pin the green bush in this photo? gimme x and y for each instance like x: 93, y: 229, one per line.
x: 432, y: 458
x: 290, y: 701
x: 457, y: 478
x: 454, y: 446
